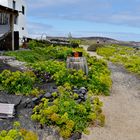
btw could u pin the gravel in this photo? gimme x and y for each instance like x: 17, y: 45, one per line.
x: 121, y: 108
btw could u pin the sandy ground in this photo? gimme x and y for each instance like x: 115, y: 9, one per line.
x: 122, y: 108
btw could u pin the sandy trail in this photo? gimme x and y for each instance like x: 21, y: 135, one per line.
x: 122, y: 108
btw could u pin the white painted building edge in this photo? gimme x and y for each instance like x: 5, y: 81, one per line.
x: 21, y: 19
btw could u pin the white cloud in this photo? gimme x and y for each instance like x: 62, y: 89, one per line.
x: 37, y: 29
x: 47, y: 3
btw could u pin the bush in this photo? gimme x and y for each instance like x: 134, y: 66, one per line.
x: 41, y: 53
x: 56, y: 68
x: 44, y: 70
x: 98, y: 79
x: 94, y: 47
x: 73, y: 77
x: 18, y: 82
x: 18, y: 133
x: 126, y: 56
x: 69, y: 116
x: 74, y: 45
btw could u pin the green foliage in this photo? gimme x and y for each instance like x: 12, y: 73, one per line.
x: 29, y: 56
x: 45, y: 59
x: 41, y: 53
x: 98, y: 79
x: 127, y: 56
x: 106, y: 51
x: 34, y: 44
x: 94, y: 47
x: 74, y: 42
x: 17, y: 133
x: 18, y: 82
x: 67, y: 114
x: 50, y: 66
x: 73, y: 77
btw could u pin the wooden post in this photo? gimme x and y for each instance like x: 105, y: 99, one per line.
x: 12, y: 30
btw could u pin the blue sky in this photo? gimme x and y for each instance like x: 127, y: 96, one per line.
x: 119, y: 19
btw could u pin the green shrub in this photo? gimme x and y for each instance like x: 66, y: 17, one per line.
x: 41, y: 54
x: 94, y: 47
x: 18, y: 133
x: 126, y: 56
x: 98, y: 79
x: 33, y: 44
x: 50, y: 66
x: 18, y: 82
x: 73, y: 77
x: 45, y: 61
x: 69, y: 116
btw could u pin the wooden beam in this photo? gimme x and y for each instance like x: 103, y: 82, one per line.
x: 8, y: 10
x: 12, y: 30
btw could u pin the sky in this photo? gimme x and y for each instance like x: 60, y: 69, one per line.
x: 118, y: 19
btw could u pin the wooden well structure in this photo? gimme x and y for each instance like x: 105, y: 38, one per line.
x: 77, y: 62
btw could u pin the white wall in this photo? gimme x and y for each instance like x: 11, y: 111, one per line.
x: 21, y: 18
x: 4, y: 2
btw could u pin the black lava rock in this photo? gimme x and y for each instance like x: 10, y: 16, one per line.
x: 81, y: 95
x: 26, y: 103
x: 37, y: 99
x: 48, y: 95
x: 76, y: 91
x: 79, y: 100
x: 76, y: 136
x: 83, y: 90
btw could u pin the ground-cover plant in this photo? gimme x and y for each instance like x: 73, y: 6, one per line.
x: 98, y: 79
x: 18, y: 133
x: 44, y: 70
x: 41, y: 53
x: 73, y: 77
x: 18, y: 82
x: 28, y: 56
x: 68, y: 115
x: 127, y: 56
x: 49, y: 63
x: 50, y: 66
x: 94, y: 47
x: 34, y: 44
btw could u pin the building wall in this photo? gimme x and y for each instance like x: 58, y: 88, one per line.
x: 21, y: 19
x: 4, y: 2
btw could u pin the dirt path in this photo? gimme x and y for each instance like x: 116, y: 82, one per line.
x: 122, y: 108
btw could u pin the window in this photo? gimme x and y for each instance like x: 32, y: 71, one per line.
x: 4, y: 19
x: 14, y: 5
x: 16, y: 20
x: 22, y: 28
x: 23, y: 10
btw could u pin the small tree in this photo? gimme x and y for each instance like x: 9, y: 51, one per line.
x: 70, y: 36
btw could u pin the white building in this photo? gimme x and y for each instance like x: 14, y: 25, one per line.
x: 20, y: 20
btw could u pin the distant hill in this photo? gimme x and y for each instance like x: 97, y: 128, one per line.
x: 98, y: 38
x: 103, y: 40
x: 111, y: 41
